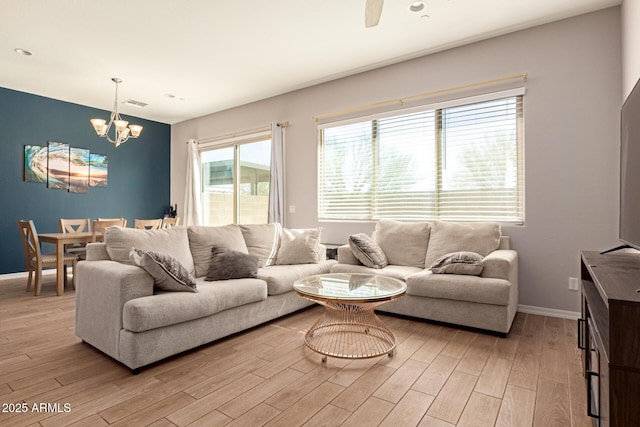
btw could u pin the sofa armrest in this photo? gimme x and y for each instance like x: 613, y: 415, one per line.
x: 501, y: 264
x: 102, y: 289
x: 345, y: 256
x: 97, y: 251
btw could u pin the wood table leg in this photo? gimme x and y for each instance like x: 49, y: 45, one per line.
x: 60, y: 267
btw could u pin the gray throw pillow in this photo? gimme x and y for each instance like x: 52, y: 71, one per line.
x: 467, y: 263
x: 368, y: 252
x: 229, y: 264
x: 167, y: 272
x: 447, y: 237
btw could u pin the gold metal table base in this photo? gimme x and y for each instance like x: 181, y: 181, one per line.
x: 350, y: 330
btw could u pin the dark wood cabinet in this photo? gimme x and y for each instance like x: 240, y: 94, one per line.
x: 609, y: 335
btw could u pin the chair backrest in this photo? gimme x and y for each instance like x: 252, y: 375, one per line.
x: 147, y: 224
x: 30, y: 242
x: 123, y: 221
x: 74, y: 225
x: 170, y: 222
x: 100, y: 225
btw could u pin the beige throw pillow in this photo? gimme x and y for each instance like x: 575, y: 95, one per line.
x: 203, y: 238
x: 299, y: 246
x: 262, y: 241
x: 446, y: 237
x: 403, y: 243
x: 169, y: 241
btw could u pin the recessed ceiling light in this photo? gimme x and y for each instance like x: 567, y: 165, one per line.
x: 416, y: 6
x: 22, y: 52
x: 169, y: 95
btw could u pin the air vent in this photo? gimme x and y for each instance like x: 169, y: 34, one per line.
x: 135, y: 103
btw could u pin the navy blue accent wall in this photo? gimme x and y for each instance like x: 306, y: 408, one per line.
x: 139, y: 170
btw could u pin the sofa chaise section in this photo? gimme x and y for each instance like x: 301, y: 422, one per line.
x: 486, y: 301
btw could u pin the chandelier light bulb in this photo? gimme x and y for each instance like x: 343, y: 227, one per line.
x: 121, y: 125
x: 135, y: 130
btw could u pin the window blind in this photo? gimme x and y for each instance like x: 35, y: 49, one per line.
x: 456, y: 162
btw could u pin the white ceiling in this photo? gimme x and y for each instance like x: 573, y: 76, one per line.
x: 216, y: 54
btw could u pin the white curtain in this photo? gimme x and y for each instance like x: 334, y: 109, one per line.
x: 192, y: 188
x: 276, y: 184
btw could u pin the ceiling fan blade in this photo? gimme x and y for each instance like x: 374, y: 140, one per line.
x: 372, y: 12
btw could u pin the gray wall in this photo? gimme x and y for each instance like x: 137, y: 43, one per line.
x: 571, y: 138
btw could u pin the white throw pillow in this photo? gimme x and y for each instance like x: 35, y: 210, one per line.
x: 299, y: 246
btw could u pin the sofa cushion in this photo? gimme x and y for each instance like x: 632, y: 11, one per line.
x: 465, y: 263
x: 228, y: 264
x: 447, y: 237
x: 299, y: 246
x: 203, y: 238
x: 280, y: 278
x: 262, y: 241
x: 403, y: 243
x: 367, y: 251
x: 168, y: 274
x: 169, y: 241
x: 145, y: 313
x: 401, y: 272
x: 460, y: 288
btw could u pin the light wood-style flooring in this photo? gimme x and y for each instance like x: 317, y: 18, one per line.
x: 439, y: 376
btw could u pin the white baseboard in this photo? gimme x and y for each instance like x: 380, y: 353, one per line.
x: 552, y: 312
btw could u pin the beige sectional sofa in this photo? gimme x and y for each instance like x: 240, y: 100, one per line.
x: 121, y: 311
x: 486, y: 301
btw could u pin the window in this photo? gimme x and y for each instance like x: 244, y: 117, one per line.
x: 457, y: 162
x: 235, y: 182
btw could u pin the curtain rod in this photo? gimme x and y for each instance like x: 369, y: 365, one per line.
x: 242, y: 133
x: 523, y: 76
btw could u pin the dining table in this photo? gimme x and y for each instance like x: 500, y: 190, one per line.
x: 60, y: 240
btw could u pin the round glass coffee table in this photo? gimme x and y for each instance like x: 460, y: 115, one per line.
x: 349, y: 328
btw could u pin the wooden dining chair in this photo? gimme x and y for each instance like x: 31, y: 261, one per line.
x: 147, y: 224
x: 100, y: 225
x: 122, y: 221
x: 82, y: 225
x: 35, y: 260
x: 170, y: 222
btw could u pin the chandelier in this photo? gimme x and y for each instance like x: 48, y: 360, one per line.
x: 123, y: 130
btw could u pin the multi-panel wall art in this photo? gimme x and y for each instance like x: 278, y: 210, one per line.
x: 64, y: 167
